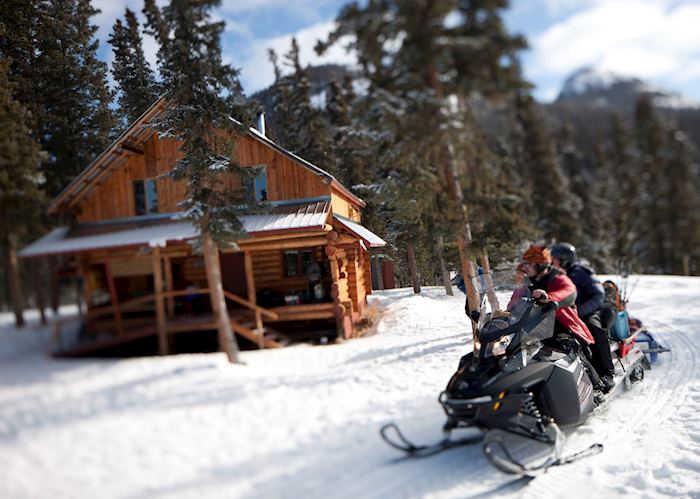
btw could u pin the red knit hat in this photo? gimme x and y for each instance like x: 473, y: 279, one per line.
x: 537, y: 254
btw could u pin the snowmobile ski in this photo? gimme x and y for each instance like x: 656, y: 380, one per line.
x: 400, y: 442
x: 522, y: 455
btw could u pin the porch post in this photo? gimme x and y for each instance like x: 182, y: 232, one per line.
x: 84, y: 269
x: 170, y: 300
x: 250, y: 285
x: 339, y: 309
x: 160, y: 306
x: 113, y: 296
x: 54, y: 283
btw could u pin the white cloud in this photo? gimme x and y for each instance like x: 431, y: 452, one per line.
x: 644, y: 38
x: 257, y: 71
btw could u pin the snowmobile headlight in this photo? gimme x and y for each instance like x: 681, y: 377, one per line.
x: 498, y: 347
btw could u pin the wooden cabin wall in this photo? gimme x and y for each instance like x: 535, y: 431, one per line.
x: 114, y: 198
x: 356, y: 277
x: 343, y: 206
x: 286, y: 179
x: 367, y: 264
x: 269, y: 273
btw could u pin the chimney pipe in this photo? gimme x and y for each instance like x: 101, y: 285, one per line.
x: 261, y: 122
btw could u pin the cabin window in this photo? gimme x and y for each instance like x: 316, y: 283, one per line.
x: 297, y: 262
x: 145, y: 196
x: 258, y: 185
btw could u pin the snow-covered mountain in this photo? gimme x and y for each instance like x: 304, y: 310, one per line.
x: 605, y: 88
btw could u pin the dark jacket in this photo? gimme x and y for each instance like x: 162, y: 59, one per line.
x: 563, y: 291
x: 591, y: 294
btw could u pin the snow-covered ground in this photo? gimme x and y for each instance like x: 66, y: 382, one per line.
x: 303, y: 421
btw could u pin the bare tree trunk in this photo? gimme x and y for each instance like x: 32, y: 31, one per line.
x: 686, y: 265
x: 377, y: 270
x: 15, y: 282
x: 54, y: 285
x: 411, y: 259
x: 443, y: 267
x: 464, y: 240
x: 227, y: 340
x: 488, y: 278
x: 37, y: 281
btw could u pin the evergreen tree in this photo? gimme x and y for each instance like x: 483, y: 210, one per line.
x: 74, y: 120
x: 18, y: 27
x: 683, y: 217
x: 416, y: 63
x: 623, y: 193
x: 653, y: 194
x: 587, y: 181
x: 296, y: 124
x: 351, y: 144
x: 21, y: 198
x: 557, y: 208
x: 202, y: 91
x: 137, y: 84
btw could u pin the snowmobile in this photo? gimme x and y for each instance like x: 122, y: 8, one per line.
x: 518, y: 388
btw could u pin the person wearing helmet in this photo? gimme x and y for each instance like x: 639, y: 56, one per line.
x: 551, y: 284
x: 589, y: 300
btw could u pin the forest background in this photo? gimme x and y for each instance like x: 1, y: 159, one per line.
x: 435, y: 127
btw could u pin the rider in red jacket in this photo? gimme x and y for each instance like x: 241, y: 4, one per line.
x: 551, y: 284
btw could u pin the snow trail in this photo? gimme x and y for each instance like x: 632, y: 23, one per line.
x: 304, y: 421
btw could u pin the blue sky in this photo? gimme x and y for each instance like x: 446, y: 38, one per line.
x: 657, y: 40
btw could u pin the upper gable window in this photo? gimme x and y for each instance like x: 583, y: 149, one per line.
x: 258, y: 186
x: 145, y: 196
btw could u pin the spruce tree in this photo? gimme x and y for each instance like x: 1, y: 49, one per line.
x: 417, y: 63
x: 21, y: 198
x: 653, y: 194
x: 557, y: 208
x: 135, y: 79
x: 18, y: 31
x: 74, y: 121
x: 201, y: 92
x: 296, y: 124
x: 587, y: 181
x: 351, y: 144
x: 623, y: 194
x: 683, y: 215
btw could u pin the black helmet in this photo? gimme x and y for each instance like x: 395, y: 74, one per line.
x: 564, y: 252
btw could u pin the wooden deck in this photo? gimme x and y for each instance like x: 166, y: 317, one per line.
x: 137, y: 331
x: 303, y: 312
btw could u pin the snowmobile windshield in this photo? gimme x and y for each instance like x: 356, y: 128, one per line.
x: 503, y: 296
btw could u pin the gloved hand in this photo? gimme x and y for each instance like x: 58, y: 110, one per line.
x: 540, y: 296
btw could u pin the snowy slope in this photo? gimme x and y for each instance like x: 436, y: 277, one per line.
x: 303, y: 421
x: 605, y: 88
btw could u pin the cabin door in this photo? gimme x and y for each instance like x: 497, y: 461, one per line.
x: 233, y: 273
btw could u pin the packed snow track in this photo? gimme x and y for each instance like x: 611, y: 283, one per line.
x: 304, y: 421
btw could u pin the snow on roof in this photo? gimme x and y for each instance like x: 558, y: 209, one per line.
x: 361, y: 231
x: 290, y: 217
x: 59, y: 241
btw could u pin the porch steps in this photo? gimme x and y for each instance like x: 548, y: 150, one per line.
x: 243, y: 323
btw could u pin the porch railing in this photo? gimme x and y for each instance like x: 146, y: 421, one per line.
x: 256, y: 335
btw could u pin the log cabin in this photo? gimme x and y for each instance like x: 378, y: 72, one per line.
x: 302, y: 270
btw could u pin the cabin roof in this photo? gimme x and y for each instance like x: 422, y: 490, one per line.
x: 308, y: 214
x: 131, y: 142
x: 360, y: 231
